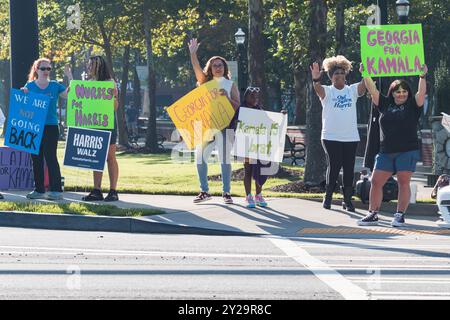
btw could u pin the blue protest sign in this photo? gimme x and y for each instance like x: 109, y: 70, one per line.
x: 26, y: 120
x: 86, y: 148
x: 16, y: 170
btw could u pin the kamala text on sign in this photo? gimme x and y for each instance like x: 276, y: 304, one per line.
x: 26, y: 120
x: 392, y: 50
x: 260, y: 135
x: 201, y: 113
x: 90, y: 104
x: 16, y: 170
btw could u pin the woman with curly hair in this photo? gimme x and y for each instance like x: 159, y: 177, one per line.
x: 339, y: 125
x: 216, y: 68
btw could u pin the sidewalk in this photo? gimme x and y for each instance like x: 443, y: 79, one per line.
x: 283, y: 217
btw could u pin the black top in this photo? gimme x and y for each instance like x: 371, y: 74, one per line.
x: 398, y: 125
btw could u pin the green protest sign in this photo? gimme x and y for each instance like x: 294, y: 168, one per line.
x: 392, y: 50
x: 90, y: 104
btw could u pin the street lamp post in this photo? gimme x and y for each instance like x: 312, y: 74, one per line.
x: 24, y: 39
x: 239, y: 37
x: 402, y: 8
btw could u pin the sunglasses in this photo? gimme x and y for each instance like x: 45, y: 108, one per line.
x: 45, y: 69
x: 253, y: 89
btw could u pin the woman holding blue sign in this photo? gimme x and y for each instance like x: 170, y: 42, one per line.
x: 216, y: 68
x: 39, y: 82
x: 98, y: 70
x: 340, y: 134
x: 399, y: 152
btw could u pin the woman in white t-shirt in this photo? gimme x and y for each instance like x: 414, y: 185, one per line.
x: 340, y: 135
x: 216, y: 68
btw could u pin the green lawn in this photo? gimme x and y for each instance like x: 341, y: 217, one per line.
x: 158, y: 174
x: 76, y: 208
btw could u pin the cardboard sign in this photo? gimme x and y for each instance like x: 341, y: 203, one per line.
x: 16, y: 170
x: 90, y: 104
x: 201, y: 113
x: 26, y: 120
x: 392, y: 50
x: 260, y: 135
x: 87, y: 148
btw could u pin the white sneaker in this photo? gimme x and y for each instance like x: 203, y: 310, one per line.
x: 399, y: 220
x: 36, y: 195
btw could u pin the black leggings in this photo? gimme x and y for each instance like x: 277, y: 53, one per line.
x: 340, y: 154
x: 47, y: 150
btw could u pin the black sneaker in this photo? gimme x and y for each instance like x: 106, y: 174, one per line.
x: 370, y: 220
x: 112, y: 196
x: 202, y: 196
x: 227, y: 198
x: 94, y: 195
x: 399, y: 220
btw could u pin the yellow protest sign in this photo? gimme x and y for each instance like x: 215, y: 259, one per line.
x: 201, y: 113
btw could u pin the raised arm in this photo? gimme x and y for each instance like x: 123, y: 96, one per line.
x: 68, y: 74
x: 361, y: 85
x: 315, y: 73
x: 372, y: 88
x: 422, y: 90
x: 193, y: 47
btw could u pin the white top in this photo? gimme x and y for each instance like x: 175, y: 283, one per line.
x: 225, y: 84
x: 339, y: 122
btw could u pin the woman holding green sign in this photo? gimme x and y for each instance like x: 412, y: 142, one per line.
x: 340, y: 134
x: 98, y: 70
x: 39, y: 82
x: 399, y: 147
x: 216, y: 68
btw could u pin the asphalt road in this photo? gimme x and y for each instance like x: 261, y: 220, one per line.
x: 44, y: 264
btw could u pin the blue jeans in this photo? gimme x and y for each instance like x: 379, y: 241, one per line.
x: 202, y: 153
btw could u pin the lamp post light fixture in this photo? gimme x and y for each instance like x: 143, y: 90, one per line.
x: 239, y: 37
x: 402, y: 8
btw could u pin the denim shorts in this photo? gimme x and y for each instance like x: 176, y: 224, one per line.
x: 395, y: 162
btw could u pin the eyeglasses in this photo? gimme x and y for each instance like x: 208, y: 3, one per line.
x: 217, y: 66
x: 45, y: 69
x: 253, y: 89
x: 338, y: 73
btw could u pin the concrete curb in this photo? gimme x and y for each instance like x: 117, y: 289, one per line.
x: 414, y: 209
x: 103, y: 224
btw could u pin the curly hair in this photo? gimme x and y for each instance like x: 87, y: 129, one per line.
x: 208, y: 68
x: 330, y: 65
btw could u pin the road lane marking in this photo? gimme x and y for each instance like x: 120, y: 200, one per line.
x: 373, y: 230
x: 321, y: 270
x: 70, y: 251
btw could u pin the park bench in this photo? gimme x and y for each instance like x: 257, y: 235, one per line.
x: 294, y: 150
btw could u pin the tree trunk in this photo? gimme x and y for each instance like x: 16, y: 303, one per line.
x: 340, y: 27
x: 315, y: 157
x: 300, y: 83
x: 137, y: 100
x: 123, y: 134
x: 6, y: 87
x: 256, y: 49
x: 151, y: 139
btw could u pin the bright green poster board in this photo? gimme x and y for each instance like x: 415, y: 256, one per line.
x: 90, y: 104
x: 392, y: 50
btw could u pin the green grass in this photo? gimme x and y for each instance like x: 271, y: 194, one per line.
x: 159, y: 174
x: 76, y: 208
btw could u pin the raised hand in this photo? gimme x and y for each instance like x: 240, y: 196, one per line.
x: 424, y: 70
x: 361, y: 68
x: 315, y: 71
x: 193, y: 46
